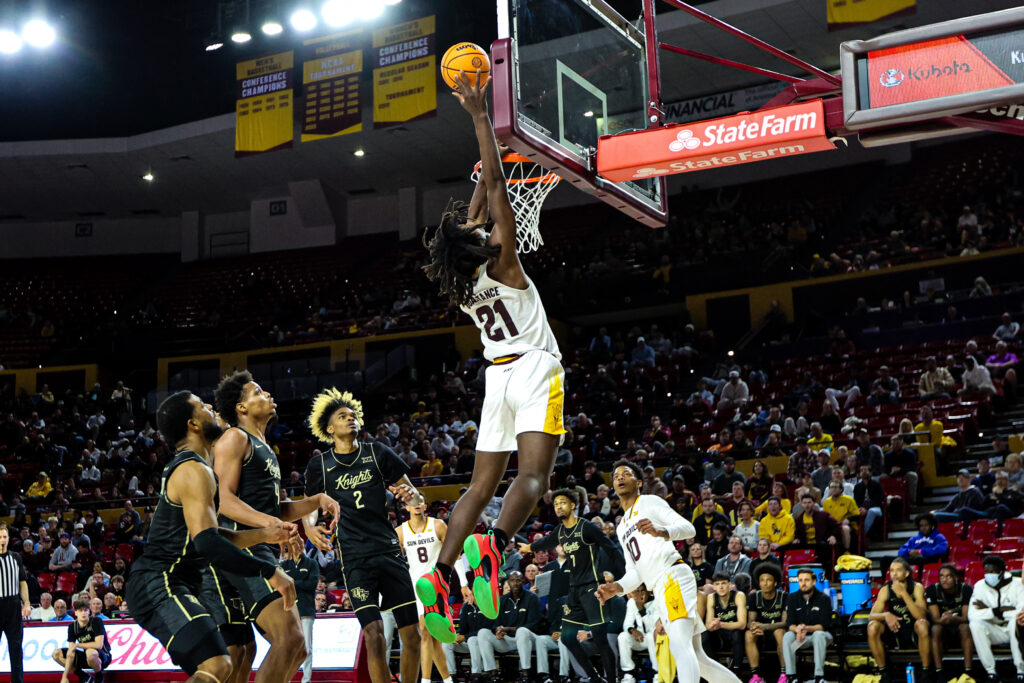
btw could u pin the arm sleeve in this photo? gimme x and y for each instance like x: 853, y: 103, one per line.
x: 315, y: 476
x: 549, y: 542
x: 391, y: 466
x: 788, y: 531
x: 678, y: 528
x: 226, y: 556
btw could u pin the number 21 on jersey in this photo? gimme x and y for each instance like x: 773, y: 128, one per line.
x: 487, y: 317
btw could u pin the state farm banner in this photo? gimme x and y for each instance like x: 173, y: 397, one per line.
x: 336, y: 641
x: 263, y: 109
x: 729, y: 141
x: 404, y: 72
x: 331, y: 74
x: 847, y: 13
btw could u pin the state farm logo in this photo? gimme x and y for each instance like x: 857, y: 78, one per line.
x: 890, y: 78
x: 684, y: 140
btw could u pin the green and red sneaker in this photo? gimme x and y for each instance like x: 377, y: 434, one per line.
x: 485, y: 560
x: 433, y: 592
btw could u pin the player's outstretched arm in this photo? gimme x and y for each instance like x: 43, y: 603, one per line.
x: 508, y: 270
x: 292, y: 510
x: 477, y: 213
x: 320, y: 536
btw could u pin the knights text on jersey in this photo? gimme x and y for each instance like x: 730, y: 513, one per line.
x: 511, y: 321
x: 359, y: 481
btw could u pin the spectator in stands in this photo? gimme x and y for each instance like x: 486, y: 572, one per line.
x: 60, y: 611
x: 707, y: 519
x: 96, y: 608
x: 702, y: 569
x: 642, y: 354
x: 977, y: 380
x: 1008, y: 331
x: 519, y: 623
x: 63, y: 555
x: 759, y: 484
x: 986, y: 477
x: 822, y: 476
x: 45, y: 611
x: 637, y: 632
x: 902, y: 462
x: 816, y: 528
x: 981, y: 288
x: 948, y: 602
x: 968, y: 497
x: 802, y: 461
x: 657, y: 434
x: 433, y: 466
x: 653, y: 486
x: 734, y: 561
x: 995, y: 601
x: 110, y: 605
x: 885, y: 389
x: 898, y: 618
x: 928, y: 545
x: 726, y: 618
x: 91, y: 474
x: 777, y: 526
x: 819, y: 440
x: 843, y: 509
x: 722, y: 484
x: 850, y: 393
x: 869, y: 454
x: 718, y: 545
x: 40, y: 489
x: 935, y: 382
x: 1003, y: 365
x: 809, y: 618
x: 592, y: 479
x: 735, y: 392
x: 870, y: 497
x: 1002, y: 502
x: 763, y: 556
x: 320, y: 603
x: 778, y: 490
x: 79, y: 537
x: 471, y: 621
x: 1014, y: 467
x: 747, y: 526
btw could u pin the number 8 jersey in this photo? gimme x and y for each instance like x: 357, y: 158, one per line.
x: 421, y: 549
x: 511, y: 321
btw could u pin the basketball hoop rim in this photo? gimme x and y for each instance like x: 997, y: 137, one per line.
x: 516, y: 158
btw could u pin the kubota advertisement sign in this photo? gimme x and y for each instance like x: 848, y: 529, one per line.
x: 727, y: 141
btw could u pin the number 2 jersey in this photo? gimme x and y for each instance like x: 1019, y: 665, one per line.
x: 511, y: 321
x: 359, y: 482
x: 649, y: 558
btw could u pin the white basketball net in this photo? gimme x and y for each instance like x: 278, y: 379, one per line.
x: 528, y: 185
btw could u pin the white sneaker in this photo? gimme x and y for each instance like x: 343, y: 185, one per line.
x: 627, y: 678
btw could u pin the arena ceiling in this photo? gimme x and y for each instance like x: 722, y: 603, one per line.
x: 129, y: 89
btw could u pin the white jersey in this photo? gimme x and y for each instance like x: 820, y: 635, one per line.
x: 421, y: 549
x: 511, y: 321
x: 649, y: 558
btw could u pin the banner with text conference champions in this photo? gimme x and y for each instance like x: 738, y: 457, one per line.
x: 264, y: 107
x: 404, y: 72
x: 330, y: 83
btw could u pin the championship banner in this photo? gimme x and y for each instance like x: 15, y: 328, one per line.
x: 404, y: 72
x: 330, y: 85
x: 846, y: 13
x: 263, y: 110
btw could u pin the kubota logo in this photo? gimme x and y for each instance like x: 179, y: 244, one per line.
x: 890, y: 78
x: 684, y: 140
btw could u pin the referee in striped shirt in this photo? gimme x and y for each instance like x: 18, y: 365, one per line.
x: 14, y: 603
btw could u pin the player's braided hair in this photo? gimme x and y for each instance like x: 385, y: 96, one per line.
x: 456, y: 253
x: 326, y: 403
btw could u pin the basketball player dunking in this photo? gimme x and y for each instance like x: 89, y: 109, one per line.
x: 522, y: 410
x: 250, y: 498
x: 421, y: 538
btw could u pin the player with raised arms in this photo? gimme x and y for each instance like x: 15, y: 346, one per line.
x: 184, y: 536
x: 474, y: 261
x: 421, y: 538
x: 376, y: 573
x: 647, y: 532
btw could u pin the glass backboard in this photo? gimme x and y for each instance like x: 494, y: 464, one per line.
x: 565, y: 73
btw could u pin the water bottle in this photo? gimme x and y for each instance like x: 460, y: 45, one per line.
x: 910, y: 672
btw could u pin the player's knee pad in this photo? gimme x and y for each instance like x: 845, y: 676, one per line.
x: 195, y: 643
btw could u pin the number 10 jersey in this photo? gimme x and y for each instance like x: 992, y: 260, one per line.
x: 511, y: 321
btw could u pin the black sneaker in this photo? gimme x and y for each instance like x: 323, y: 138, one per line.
x: 927, y: 675
x: 883, y: 676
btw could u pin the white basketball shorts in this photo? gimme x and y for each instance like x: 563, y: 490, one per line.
x: 524, y: 395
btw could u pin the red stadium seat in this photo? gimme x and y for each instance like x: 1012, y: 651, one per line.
x: 930, y: 574
x: 127, y: 551
x: 47, y: 580
x: 975, y: 573
x: 951, y: 530
x: 1013, y: 526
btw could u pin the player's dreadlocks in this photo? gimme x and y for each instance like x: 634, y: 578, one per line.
x: 456, y: 253
x: 325, y: 405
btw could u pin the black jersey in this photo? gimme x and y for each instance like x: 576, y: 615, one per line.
x: 934, y: 595
x: 768, y: 611
x: 259, y: 482
x: 169, y: 548
x: 86, y: 634
x: 581, y: 545
x: 898, y: 605
x: 726, y: 612
x: 359, y: 482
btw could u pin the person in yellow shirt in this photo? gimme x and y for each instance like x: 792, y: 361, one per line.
x: 843, y: 509
x: 40, y: 488
x: 929, y: 430
x: 433, y: 467
x: 779, y: 491
x: 818, y: 439
x: 777, y: 526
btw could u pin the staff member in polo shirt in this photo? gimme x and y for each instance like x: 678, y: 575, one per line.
x: 14, y: 603
x: 809, y: 616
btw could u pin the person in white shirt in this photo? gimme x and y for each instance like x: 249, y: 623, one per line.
x: 647, y: 532
x: 637, y: 632
x: 45, y: 611
x: 91, y: 475
x: 994, y: 603
x: 977, y: 380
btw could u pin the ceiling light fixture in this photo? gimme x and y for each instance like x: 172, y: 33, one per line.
x: 38, y: 33
x: 272, y: 27
x: 213, y: 43
x: 337, y: 13
x: 240, y: 36
x: 359, y: 152
x: 10, y: 42
x: 303, y: 20
x: 148, y: 176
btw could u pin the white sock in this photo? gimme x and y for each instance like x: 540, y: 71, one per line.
x: 424, y: 680
x: 448, y: 680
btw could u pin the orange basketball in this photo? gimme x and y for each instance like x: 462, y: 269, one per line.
x: 468, y: 57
